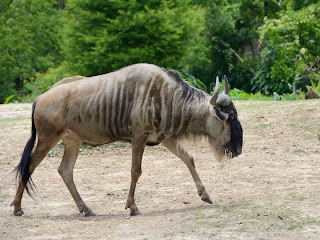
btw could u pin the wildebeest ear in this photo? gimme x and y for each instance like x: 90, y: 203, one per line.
x: 221, y: 115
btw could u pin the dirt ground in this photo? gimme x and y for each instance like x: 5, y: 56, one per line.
x: 271, y: 191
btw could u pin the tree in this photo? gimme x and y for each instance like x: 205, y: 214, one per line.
x: 291, y: 53
x: 233, y: 39
x: 300, y: 4
x: 101, y: 36
x: 28, y: 42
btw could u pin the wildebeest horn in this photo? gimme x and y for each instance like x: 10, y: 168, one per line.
x: 223, y: 100
x: 215, y: 93
x: 226, y: 86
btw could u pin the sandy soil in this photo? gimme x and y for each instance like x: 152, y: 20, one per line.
x: 271, y: 191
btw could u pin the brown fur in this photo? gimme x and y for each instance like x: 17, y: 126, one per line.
x: 67, y: 80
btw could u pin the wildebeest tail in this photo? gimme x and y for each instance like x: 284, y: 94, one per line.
x: 22, y: 170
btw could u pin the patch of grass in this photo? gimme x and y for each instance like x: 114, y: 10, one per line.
x: 86, y: 146
x: 216, y: 233
x: 15, y: 119
x: 12, y: 122
x: 4, y: 120
x: 302, y: 119
x: 246, y: 215
x: 296, y: 197
x: 260, y: 126
x: 23, y: 109
x: 53, y: 153
x: 299, y: 151
x: 169, y: 234
x: 119, y: 144
x: 5, y: 196
x: 295, y: 225
x: 308, y: 127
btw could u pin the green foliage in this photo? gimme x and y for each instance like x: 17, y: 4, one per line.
x: 291, y: 52
x: 236, y: 94
x: 299, y: 4
x: 194, y: 81
x: 42, y: 42
x: 28, y: 42
x: 43, y: 82
x: 8, y: 99
x: 101, y: 36
x: 232, y: 38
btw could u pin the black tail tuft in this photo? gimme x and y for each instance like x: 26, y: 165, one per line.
x: 22, y: 170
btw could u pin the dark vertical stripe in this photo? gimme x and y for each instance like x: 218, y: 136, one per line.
x: 66, y: 106
x: 176, y: 111
x: 104, y: 108
x: 117, y: 102
x: 122, y: 106
x: 155, y: 91
x: 113, y: 109
x: 98, y: 101
x: 187, y: 109
x: 89, y: 109
x: 97, y: 110
x: 130, y: 98
x: 109, y: 108
x: 143, y: 96
x: 167, y: 94
x: 79, y: 118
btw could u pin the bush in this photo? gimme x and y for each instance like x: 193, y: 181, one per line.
x: 43, y: 82
x: 28, y: 42
x: 291, y: 53
x: 101, y: 36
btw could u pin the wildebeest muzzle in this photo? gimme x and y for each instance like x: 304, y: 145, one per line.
x: 234, y: 147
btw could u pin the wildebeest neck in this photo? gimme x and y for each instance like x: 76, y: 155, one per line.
x: 186, y: 107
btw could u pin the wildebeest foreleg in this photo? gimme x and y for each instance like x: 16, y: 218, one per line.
x: 138, y: 145
x: 175, y: 148
x: 72, y: 145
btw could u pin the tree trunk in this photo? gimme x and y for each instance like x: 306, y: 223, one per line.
x: 60, y: 4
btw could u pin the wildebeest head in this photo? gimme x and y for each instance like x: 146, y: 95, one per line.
x: 231, y: 134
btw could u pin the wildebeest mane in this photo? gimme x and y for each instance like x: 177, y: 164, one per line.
x: 189, y: 91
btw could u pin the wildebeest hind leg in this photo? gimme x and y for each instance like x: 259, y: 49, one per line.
x: 72, y: 145
x: 175, y: 148
x: 44, y: 145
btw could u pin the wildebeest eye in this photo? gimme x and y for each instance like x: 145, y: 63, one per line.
x: 221, y: 114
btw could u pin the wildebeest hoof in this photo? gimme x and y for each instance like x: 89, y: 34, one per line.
x: 134, y: 210
x: 90, y: 214
x: 135, y: 213
x: 204, y: 196
x: 208, y: 200
x: 18, y: 213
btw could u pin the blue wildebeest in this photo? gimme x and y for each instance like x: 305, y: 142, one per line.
x: 142, y: 103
